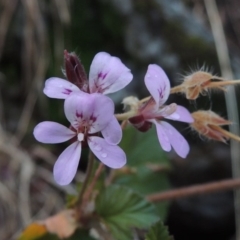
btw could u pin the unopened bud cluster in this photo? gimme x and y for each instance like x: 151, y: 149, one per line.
x: 93, y: 122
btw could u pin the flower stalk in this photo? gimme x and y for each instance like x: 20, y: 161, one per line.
x: 125, y: 116
x: 87, y: 194
x: 86, y: 180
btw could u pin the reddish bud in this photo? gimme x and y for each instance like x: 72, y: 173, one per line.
x: 140, y: 123
x: 75, y: 72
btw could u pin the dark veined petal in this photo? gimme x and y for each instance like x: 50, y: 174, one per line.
x: 157, y: 84
x: 59, y: 88
x: 108, y: 74
x: 94, y: 109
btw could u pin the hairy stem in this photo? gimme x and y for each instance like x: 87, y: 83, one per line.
x: 177, y: 89
x: 144, y: 99
x: 222, y: 83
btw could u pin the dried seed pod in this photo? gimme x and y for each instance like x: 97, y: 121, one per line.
x: 208, y: 124
x: 200, y: 82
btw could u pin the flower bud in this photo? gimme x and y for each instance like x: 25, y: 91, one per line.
x: 140, y: 123
x: 75, y: 72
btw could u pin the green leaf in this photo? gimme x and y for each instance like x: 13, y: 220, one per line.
x: 146, y: 182
x: 158, y: 232
x: 121, y: 209
x: 143, y: 149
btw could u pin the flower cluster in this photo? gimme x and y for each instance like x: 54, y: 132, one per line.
x: 88, y: 111
x: 88, y: 115
x: 91, y: 113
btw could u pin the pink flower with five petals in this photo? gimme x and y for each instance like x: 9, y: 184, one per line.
x: 107, y: 75
x: 154, y: 111
x: 88, y: 115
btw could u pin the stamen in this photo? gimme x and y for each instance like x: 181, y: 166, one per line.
x: 80, y: 137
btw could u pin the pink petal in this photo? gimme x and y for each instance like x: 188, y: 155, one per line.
x: 157, y: 84
x: 112, y: 133
x: 111, y: 155
x: 165, y: 111
x: 52, y: 132
x: 178, y: 142
x: 59, y: 88
x: 162, y: 136
x: 108, y: 74
x: 95, y: 110
x: 66, y: 165
x: 103, y: 110
x: 181, y: 114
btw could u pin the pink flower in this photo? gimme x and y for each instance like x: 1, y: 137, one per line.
x: 107, y: 75
x: 88, y: 115
x: 154, y: 111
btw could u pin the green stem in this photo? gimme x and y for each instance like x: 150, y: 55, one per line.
x: 89, y: 190
x: 87, y: 178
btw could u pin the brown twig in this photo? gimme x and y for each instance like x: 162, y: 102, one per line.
x: 195, y: 190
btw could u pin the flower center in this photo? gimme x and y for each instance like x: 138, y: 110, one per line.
x: 80, y: 137
x: 82, y: 132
